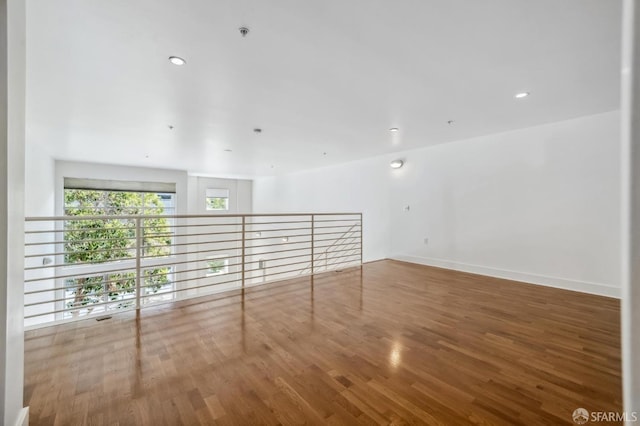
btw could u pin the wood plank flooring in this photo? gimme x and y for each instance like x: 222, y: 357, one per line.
x: 394, y: 343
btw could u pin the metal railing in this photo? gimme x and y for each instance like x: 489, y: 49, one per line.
x: 87, y: 266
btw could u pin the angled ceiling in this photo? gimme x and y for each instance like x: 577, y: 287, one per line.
x: 317, y: 76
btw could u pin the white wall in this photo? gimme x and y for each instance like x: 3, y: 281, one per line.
x: 357, y: 187
x: 539, y: 205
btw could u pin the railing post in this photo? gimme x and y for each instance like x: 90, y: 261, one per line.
x: 243, y: 249
x: 138, y: 259
x: 361, y: 232
x: 313, y: 253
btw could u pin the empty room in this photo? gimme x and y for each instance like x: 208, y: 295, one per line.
x: 320, y: 212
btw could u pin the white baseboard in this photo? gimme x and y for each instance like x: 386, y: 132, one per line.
x: 563, y: 283
x: 23, y: 417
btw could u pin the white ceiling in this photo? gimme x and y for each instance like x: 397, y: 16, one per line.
x: 317, y: 76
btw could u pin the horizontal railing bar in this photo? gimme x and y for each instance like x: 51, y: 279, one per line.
x: 131, y: 228
x: 184, y: 216
x: 77, y: 277
x: 280, y: 251
x: 83, y: 273
x: 338, y: 232
x: 51, y: 231
x: 63, y: 253
x: 192, y: 243
x: 282, y: 244
x: 193, y: 288
x: 53, y: 265
x: 110, y: 218
x: 44, y: 243
x: 132, y: 290
x: 118, y: 208
x: 276, y: 266
x: 331, y: 245
x: 336, y: 251
x: 201, y: 234
x: 355, y: 225
x: 232, y: 232
x: 333, y: 239
x: 193, y: 279
x: 77, y: 308
x: 339, y: 220
x: 190, y: 225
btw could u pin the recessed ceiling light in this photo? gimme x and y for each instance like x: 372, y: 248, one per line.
x: 176, y: 60
x: 227, y: 150
x: 170, y: 126
x: 396, y: 164
x: 393, y: 129
x: 521, y: 95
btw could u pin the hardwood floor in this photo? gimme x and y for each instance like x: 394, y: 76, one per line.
x: 394, y: 344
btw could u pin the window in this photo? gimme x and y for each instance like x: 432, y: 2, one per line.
x: 217, y: 265
x: 92, y: 240
x: 217, y: 199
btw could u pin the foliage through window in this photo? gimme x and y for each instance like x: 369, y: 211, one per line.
x: 110, y: 239
x: 217, y: 199
x: 217, y: 265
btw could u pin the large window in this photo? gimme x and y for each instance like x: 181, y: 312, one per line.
x: 107, y: 236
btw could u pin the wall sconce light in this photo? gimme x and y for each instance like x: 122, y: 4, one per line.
x: 396, y: 164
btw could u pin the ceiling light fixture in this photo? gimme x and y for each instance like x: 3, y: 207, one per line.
x: 393, y: 129
x: 396, y: 164
x: 176, y: 60
x: 522, y: 95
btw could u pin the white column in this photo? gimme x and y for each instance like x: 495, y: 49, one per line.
x: 630, y: 168
x: 12, y: 136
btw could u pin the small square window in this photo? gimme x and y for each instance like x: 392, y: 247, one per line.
x: 217, y: 265
x: 217, y: 199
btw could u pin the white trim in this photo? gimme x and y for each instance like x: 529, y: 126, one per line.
x: 563, y: 283
x: 23, y: 417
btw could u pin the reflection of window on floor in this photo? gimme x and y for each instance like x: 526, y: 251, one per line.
x: 96, y: 243
x: 217, y: 199
x: 217, y: 265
